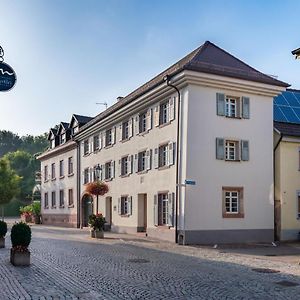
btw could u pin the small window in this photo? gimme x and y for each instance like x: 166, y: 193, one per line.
x: 142, y: 122
x: 231, y: 150
x: 86, y: 176
x: 164, y: 113
x: 96, y: 143
x: 70, y: 166
x: 61, y: 198
x: 163, y: 209
x: 61, y: 168
x: 108, y: 174
x: 71, y: 199
x: 63, y: 138
x: 124, y: 205
x: 232, y: 107
x: 141, y: 161
x: 53, y: 171
x: 124, y: 166
x: 108, y: 137
x: 46, y: 201
x: 125, y: 130
x: 163, y: 156
x: 45, y: 173
x: 233, y: 202
x: 52, y: 143
x: 86, y: 147
x: 53, y: 199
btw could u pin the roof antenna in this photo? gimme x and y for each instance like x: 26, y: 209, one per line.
x: 102, y: 103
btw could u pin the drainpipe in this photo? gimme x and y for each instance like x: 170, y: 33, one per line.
x: 167, y: 79
x: 78, y: 186
x: 274, y: 152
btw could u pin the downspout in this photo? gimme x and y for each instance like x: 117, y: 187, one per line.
x: 274, y: 177
x: 167, y: 80
x: 78, y: 186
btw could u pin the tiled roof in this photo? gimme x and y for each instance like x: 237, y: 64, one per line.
x: 287, y: 129
x: 207, y: 58
x: 82, y: 119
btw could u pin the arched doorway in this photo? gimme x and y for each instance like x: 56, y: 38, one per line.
x: 87, y: 209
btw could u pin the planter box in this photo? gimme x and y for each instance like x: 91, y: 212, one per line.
x: 99, y: 234
x: 92, y: 233
x: 19, y: 258
x: 2, y: 242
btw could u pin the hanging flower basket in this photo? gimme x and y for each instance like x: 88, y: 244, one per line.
x: 97, y: 188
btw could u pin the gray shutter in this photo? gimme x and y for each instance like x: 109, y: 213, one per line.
x: 220, y: 104
x: 171, y: 209
x: 135, y: 163
x: 112, y: 169
x: 155, y: 212
x: 102, y: 172
x: 120, y: 132
x: 246, y: 107
x: 149, y: 119
x: 129, y: 205
x: 220, y: 148
x: 148, y: 159
x: 130, y: 127
x: 171, y: 153
x: 100, y: 140
x: 156, y: 115
x: 136, y: 124
x: 120, y: 167
x: 155, y: 158
x: 245, y: 150
x: 129, y: 168
x: 113, y: 135
x: 172, y: 108
x: 119, y: 206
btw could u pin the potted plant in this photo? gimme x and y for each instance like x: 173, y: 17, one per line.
x: 3, y: 230
x: 96, y: 222
x: 36, y: 211
x: 20, y: 240
x: 26, y: 213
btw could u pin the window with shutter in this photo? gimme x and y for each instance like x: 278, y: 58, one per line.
x: 163, y: 209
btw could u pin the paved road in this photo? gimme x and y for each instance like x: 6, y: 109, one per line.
x: 67, y: 264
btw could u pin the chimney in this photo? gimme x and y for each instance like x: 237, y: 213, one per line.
x: 119, y: 98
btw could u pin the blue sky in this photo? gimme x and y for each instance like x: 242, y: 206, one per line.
x: 68, y: 55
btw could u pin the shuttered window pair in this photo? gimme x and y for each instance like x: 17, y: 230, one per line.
x: 125, y: 206
x: 109, y: 170
x: 164, y: 155
x: 164, y: 209
x: 233, y: 107
x: 142, y: 161
x: 232, y: 150
x: 125, y: 165
x: 126, y: 130
x: 164, y: 112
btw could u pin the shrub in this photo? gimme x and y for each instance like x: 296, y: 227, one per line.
x: 36, y: 208
x: 26, y: 210
x: 3, y: 229
x: 97, y: 221
x: 20, y: 236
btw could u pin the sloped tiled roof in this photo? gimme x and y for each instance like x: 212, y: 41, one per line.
x: 82, y: 119
x: 287, y: 129
x: 207, y: 58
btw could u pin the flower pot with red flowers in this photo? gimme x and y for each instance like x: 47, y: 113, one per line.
x: 26, y: 213
x: 20, y: 240
x: 96, y: 223
x: 3, y: 231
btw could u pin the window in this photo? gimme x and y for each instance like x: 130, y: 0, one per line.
x: 108, y: 137
x: 164, y: 113
x: 163, y: 156
x: 53, y: 171
x: 61, y: 198
x: 231, y: 150
x: 108, y: 173
x: 86, y: 147
x: 53, y: 199
x: 125, y: 130
x: 70, y: 166
x: 124, y: 206
x: 61, y: 168
x: 143, y: 122
x: 141, y: 161
x: 75, y: 130
x: 96, y: 143
x: 46, y: 201
x: 52, y: 143
x: 45, y: 173
x: 63, y: 138
x: 233, y: 202
x: 163, y: 209
x: 86, y: 176
x: 71, y: 199
x: 231, y: 106
x: 124, y: 165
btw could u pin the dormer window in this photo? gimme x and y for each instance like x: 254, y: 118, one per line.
x: 63, y: 138
x: 75, y: 130
x: 52, y: 143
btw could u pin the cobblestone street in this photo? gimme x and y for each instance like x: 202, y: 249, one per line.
x: 67, y: 264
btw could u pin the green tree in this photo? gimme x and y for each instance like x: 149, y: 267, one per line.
x: 9, y: 142
x: 9, y: 183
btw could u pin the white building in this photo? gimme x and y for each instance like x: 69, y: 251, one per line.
x: 216, y: 135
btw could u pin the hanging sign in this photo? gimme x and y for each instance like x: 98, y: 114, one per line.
x: 7, y: 75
